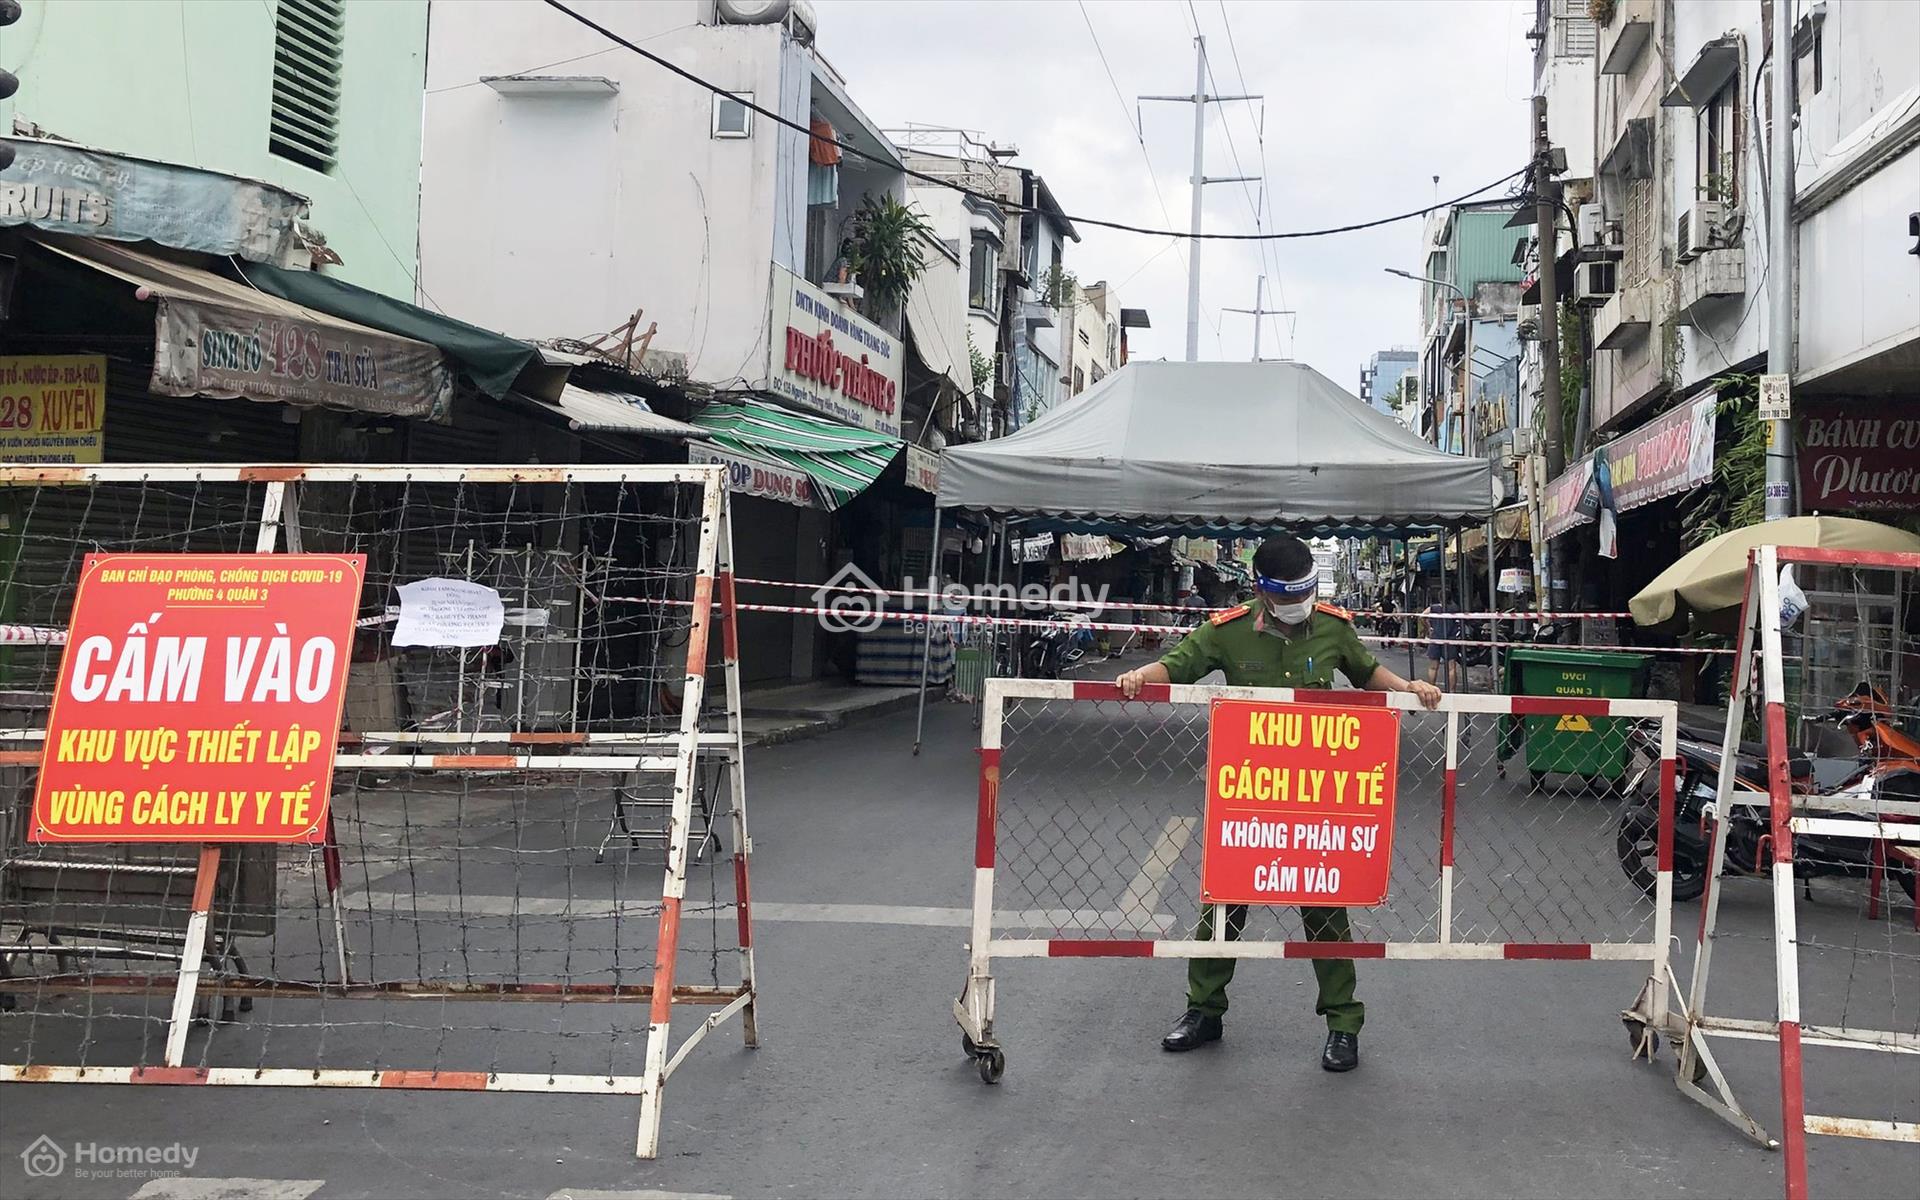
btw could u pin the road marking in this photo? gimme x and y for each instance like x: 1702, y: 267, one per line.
x: 184, y: 1188
x: 1143, y: 894
x: 400, y: 906
x: 644, y: 1194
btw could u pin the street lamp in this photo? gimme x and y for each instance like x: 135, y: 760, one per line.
x: 1423, y: 279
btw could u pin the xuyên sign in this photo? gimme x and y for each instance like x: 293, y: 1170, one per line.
x: 1299, y: 803
x: 824, y: 356
x: 1860, y: 455
x: 198, y: 699
x: 52, y: 407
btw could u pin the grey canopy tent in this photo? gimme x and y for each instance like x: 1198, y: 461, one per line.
x: 1216, y: 448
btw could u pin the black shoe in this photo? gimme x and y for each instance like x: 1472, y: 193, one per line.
x: 1342, y: 1052
x: 1192, y: 1030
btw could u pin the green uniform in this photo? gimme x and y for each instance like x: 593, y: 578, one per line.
x: 1255, y: 651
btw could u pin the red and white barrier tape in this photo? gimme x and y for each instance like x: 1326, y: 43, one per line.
x: 854, y: 621
x: 920, y: 594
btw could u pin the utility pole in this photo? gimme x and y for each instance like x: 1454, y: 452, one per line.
x: 1199, y: 99
x: 1258, y: 311
x: 1780, y: 264
x: 1546, y: 218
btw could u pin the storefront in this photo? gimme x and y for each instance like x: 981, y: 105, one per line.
x: 1633, y: 489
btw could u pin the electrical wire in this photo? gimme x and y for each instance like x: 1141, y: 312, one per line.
x: 1003, y: 203
x: 1139, y: 134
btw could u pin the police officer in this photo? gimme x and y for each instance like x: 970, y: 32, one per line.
x: 1281, y: 639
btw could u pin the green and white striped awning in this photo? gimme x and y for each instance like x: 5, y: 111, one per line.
x: 841, y: 460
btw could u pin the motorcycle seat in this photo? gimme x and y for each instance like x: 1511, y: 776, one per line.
x: 1752, y: 759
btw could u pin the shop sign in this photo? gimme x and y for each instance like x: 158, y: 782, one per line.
x: 752, y: 477
x: 1200, y: 550
x: 1086, y: 547
x: 824, y: 356
x: 52, y: 407
x: 1669, y: 454
x: 923, y: 469
x: 71, y: 189
x: 1032, y: 549
x: 1860, y: 455
x: 1299, y: 803
x: 209, y: 350
x: 198, y: 699
x: 1515, y: 580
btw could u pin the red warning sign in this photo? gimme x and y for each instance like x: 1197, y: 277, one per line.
x: 198, y: 699
x: 1299, y: 804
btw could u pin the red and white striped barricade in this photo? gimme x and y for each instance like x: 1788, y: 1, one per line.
x: 500, y: 902
x: 1090, y: 834
x: 1825, y: 814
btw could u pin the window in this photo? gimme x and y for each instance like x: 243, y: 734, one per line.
x: 983, y: 273
x: 1808, y: 59
x: 1084, y: 339
x: 731, y: 118
x: 1716, y: 171
x: 1113, y: 342
x: 304, y: 125
x: 1079, y: 381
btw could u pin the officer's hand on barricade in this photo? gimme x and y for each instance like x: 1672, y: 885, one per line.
x: 1428, y: 695
x: 1129, y: 682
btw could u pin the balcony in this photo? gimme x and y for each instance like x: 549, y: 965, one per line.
x: 1713, y: 277
x: 1624, y: 319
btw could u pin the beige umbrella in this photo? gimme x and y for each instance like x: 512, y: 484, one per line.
x: 1711, y: 578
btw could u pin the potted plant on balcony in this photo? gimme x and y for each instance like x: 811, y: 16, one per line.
x: 884, y: 251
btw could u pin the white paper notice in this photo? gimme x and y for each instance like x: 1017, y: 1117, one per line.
x: 448, y: 612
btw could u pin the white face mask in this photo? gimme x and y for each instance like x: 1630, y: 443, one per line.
x: 1290, y: 613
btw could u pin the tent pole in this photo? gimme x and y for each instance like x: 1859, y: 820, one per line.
x: 1493, y: 623
x: 926, y: 644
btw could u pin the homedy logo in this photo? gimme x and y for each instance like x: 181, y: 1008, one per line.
x: 44, y: 1158
x: 849, y: 602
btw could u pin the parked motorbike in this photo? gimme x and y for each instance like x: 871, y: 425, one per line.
x: 1887, y: 768
x: 1059, y: 645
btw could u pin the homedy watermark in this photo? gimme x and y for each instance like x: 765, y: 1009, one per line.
x: 851, y: 602
x: 45, y: 1158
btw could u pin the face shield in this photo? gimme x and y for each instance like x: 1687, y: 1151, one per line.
x: 1289, y: 601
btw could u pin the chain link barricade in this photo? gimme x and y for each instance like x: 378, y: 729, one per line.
x: 1525, y: 828
x: 1822, y: 809
x: 534, y: 850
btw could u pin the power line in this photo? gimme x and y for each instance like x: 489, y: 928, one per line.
x: 1008, y: 205
x: 1139, y: 134
x: 1266, y: 169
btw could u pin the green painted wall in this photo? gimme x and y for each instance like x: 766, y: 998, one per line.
x: 190, y: 81
x: 1482, y: 249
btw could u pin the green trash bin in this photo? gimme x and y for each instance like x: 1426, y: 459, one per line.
x: 1590, y: 747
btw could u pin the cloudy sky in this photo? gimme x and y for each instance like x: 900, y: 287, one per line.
x: 1364, y: 103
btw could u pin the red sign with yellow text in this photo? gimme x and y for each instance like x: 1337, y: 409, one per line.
x: 198, y: 699
x: 1299, y: 804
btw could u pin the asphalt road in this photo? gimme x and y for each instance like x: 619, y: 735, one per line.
x: 1477, y: 1080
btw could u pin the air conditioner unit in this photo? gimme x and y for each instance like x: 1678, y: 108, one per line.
x: 1703, y: 229
x: 1592, y: 219
x: 1528, y: 326
x: 1594, y: 283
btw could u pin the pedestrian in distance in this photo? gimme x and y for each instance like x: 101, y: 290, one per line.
x: 1442, y: 652
x: 1282, y: 639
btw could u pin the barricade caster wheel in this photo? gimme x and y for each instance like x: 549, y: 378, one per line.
x: 1636, y: 1031
x: 992, y: 1063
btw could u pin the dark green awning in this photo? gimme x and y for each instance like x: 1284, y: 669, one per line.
x: 490, y: 359
x: 841, y: 460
